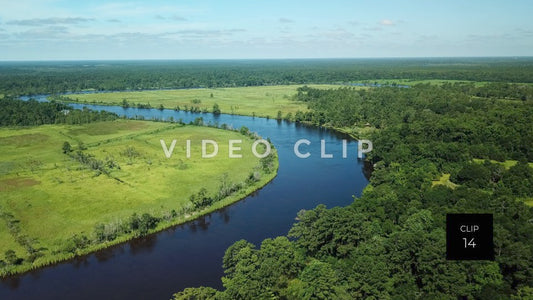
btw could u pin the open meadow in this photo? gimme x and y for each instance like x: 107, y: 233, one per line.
x: 52, y: 192
x: 261, y: 101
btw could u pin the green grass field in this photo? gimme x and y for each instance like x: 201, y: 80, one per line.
x: 261, y: 101
x: 411, y: 82
x: 415, y: 81
x: 53, y: 196
x: 444, y: 180
x: 506, y: 164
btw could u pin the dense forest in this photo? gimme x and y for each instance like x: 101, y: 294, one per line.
x: 390, y: 243
x: 17, y: 78
x: 31, y: 113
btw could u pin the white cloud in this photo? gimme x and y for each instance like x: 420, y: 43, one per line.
x: 386, y: 22
x: 173, y: 17
x: 178, y: 18
x: 285, y: 20
x: 44, y: 33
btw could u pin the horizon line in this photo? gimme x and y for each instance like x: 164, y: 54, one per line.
x: 258, y: 58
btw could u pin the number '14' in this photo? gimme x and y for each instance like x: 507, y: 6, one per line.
x: 469, y: 243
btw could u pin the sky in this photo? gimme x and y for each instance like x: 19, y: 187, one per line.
x: 216, y: 29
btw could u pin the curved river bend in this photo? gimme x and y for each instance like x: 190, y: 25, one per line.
x: 191, y: 254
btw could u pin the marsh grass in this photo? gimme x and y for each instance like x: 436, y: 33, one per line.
x: 260, y: 101
x: 53, y: 197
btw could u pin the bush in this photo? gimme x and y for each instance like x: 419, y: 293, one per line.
x: 200, y: 199
x: 12, y: 258
x: 216, y: 109
x: 66, y: 147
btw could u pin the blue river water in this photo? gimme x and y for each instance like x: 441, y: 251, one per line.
x: 189, y: 255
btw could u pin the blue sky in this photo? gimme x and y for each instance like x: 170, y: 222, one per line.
x: 55, y: 30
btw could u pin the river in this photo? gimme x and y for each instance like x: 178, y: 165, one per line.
x: 190, y: 255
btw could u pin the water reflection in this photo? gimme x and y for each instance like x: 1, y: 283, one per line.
x: 143, y: 245
x: 107, y: 253
x: 201, y: 223
x: 11, y: 282
x: 80, y: 261
x: 224, y: 214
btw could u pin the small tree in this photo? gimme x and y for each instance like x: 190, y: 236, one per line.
x: 244, y: 130
x: 216, y: 109
x: 288, y: 117
x: 11, y: 258
x: 66, y: 148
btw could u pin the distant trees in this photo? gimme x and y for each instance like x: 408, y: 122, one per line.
x: 28, y: 78
x: 31, y: 113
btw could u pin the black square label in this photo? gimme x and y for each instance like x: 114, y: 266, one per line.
x: 469, y: 237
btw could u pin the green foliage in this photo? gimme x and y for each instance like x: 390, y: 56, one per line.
x: 12, y: 258
x: 76, y: 242
x: 317, y: 281
x: 244, y: 130
x: 201, y: 199
x: 231, y: 258
x: 260, y: 273
x: 390, y: 243
x: 216, y: 108
x: 66, y: 148
x: 519, y: 179
x: 474, y: 175
x: 268, y: 163
x: 200, y: 293
x: 49, y: 78
x: 142, y: 224
x: 30, y: 113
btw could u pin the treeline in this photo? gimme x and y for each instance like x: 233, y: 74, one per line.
x: 444, y: 122
x: 329, y: 111
x: 16, y: 112
x: 27, y: 78
x: 391, y: 242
